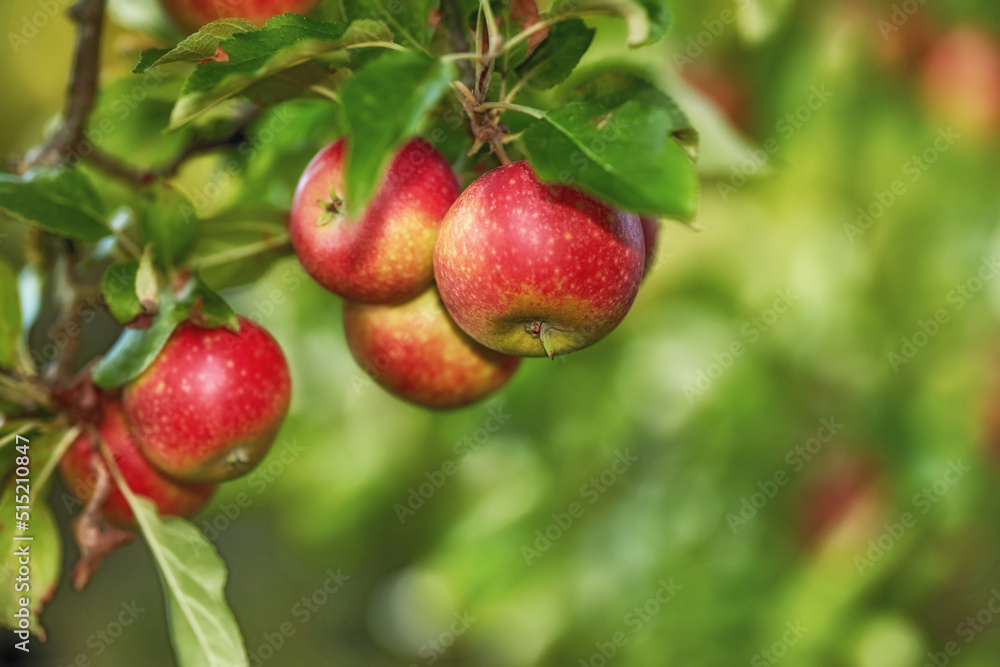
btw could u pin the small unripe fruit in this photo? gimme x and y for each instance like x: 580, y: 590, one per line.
x: 417, y: 352
x: 171, y: 497
x: 209, y: 407
x: 386, y: 256
x: 533, y: 269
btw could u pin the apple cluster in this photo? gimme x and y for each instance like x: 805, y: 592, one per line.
x: 205, y: 411
x: 446, y: 291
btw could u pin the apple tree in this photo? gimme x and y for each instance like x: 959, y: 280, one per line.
x: 448, y: 168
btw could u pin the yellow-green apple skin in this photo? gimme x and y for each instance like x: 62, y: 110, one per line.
x: 534, y: 269
x: 415, y: 351
x: 385, y: 256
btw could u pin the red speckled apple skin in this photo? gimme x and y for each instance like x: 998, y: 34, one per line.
x: 171, y: 497
x: 387, y: 255
x: 209, y: 407
x: 513, y: 251
x: 190, y: 15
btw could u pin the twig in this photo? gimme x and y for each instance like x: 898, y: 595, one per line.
x: 89, y: 14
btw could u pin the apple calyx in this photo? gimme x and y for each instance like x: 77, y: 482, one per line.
x: 543, y: 330
x: 332, y: 210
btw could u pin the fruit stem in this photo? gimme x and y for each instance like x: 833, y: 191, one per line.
x: 534, y: 113
x: 543, y: 330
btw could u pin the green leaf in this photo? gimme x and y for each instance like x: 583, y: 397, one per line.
x: 284, y: 42
x: 628, y: 156
x: 558, y: 55
x: 118, y: 287
x: 646, y: 20
x: 203, y: 629
x: 10, y: 315
x: 211, y: 308
x: 196, y: 47
x: 610, y: 86
x: 409, y: 18
x: 222, y: 251
x: 147, y: 285
x: 60, y: 201
x: 383, y: 105
x: 136, y: 349
x: 167, y: 220
x: 45, y: 547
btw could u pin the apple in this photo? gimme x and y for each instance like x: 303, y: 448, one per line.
x: 651, y: 239
x: 415, y: 351
x: 80, y: 477
x: 531, y: 269
x: 210, y: 405
x: 960, y: 80
x: 190, y: 15
x: 385, y: 257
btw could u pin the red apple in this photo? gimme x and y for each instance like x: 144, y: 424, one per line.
x: 531, y: 269
x: 190, y: 15
x: 651, y: 239
x: 385, y: 257
x: 171, y: 497
x: 417, y: 352
x: 209, y: 407
x: 960, y: 80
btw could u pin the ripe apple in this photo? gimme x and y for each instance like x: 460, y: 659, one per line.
x: 417, y: 352
x: 651, y: 239
x: 190, y: 15
x: 209, y: 407
x: 385, y: 257
x: 960, y: 80
x: 170, y: 496
x: 531, y: 269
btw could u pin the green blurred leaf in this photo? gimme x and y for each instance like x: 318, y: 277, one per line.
x: 558, y: 55
x: 408, y: 17
x: 196, y: 47
x: 647, y: 20
x: 211, y: 309
x: 118, y: 288
x: 627, y: 156
x: 136, y: 349
x: 45, y: 547
x: 286, y: 41
x: 10, y: 315
x: 167, y: 220
x: 384, y: 104
x: 203, y: 629
x: 60, y: 201
x: 611, y: 86
x: 758, y: 19
x: 222, y: 255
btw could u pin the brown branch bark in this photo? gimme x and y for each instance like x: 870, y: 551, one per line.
x: 89, y: 14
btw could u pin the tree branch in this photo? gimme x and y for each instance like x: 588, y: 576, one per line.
x: 139, y: 176
x: 89, y: 14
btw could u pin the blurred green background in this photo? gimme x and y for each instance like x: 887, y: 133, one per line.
x: 784, y: 454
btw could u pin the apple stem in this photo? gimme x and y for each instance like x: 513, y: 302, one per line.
x: 543, y: 330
